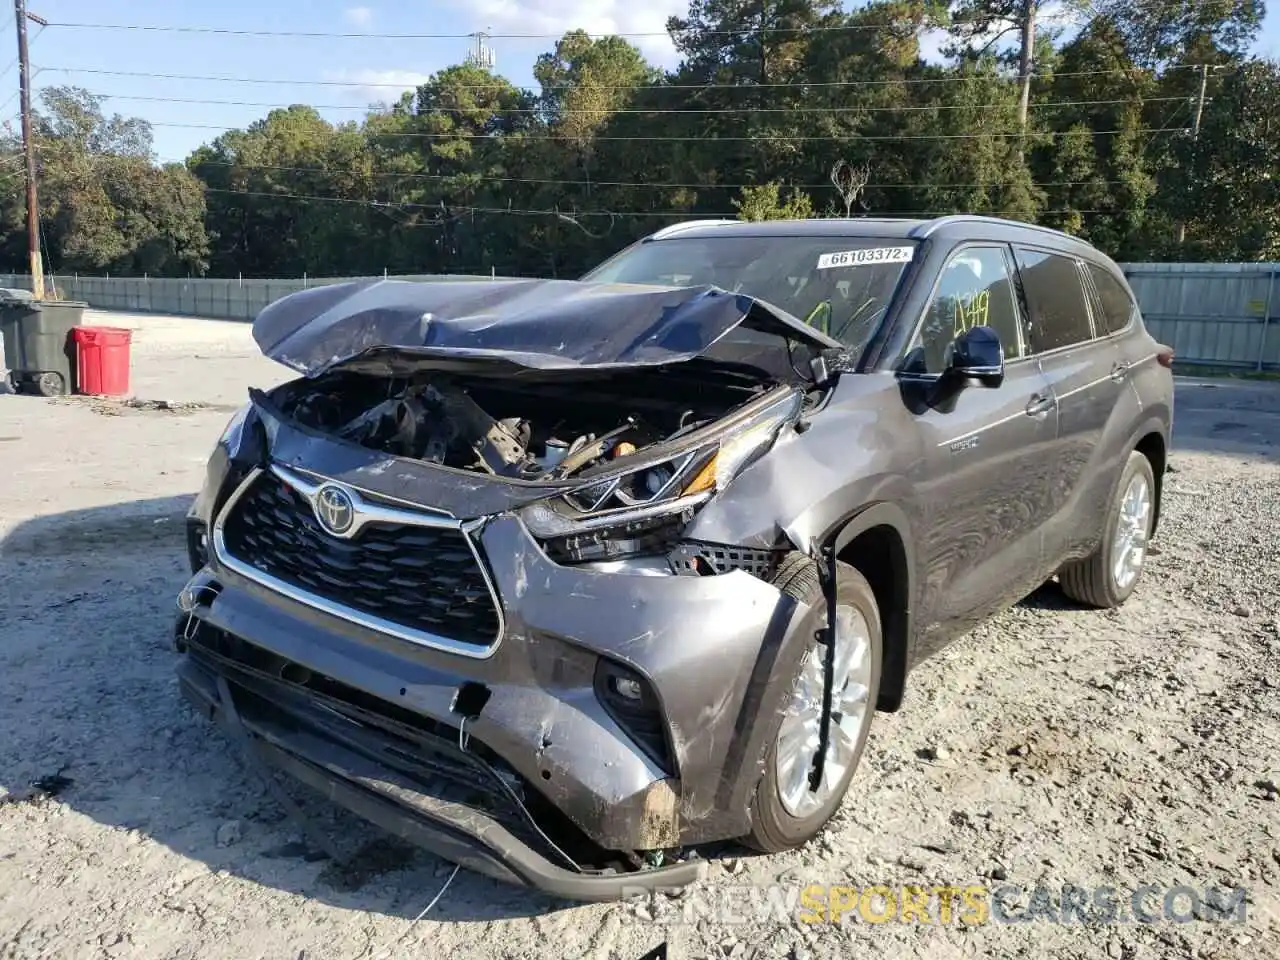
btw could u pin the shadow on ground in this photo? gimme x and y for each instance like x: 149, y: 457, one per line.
x: 92, y: 713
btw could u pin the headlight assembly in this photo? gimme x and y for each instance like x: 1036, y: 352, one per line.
x: 235, y: 427
x: 630, y: 509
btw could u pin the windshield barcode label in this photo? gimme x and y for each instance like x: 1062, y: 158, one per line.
x: 859, y: 258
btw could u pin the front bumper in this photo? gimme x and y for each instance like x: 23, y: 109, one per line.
x: 342, y: 767
x: 718, y: 652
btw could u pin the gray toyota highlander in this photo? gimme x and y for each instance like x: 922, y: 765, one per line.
x: 573, y: 582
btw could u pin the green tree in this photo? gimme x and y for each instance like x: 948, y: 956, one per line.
x: 765, y: 202
x: 289, y: 195
x: 103, y: 204
x: 1223, y: 185
x: 1157, y: 32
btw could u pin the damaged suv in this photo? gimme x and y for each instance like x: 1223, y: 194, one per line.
x: 570, y: 581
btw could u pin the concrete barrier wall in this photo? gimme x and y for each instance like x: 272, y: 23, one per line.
x: 218, y: 299
x: 1219, y: 314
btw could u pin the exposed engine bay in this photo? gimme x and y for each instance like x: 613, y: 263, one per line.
x: 526, y: 430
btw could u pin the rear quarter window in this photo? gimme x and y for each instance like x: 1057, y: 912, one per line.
x: 1117, y: 305
x: 1055, y: 298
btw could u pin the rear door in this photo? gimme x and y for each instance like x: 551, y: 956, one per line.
x: 983, y: 483
x: 1086, y: 376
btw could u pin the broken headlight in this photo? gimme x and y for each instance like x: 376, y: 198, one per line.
x: 232, y: 432
x: 644, y: 510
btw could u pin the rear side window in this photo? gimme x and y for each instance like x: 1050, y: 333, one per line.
x: 1117, y: 305
x: 1055, y: 299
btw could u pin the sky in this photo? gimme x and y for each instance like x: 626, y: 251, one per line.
x: 355, y: 70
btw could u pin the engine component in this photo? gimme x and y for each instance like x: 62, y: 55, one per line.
x: 556, y: 451
x: 541, y: 429
x: 498, y: 450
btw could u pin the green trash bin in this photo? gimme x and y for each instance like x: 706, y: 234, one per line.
x: 37, y: 342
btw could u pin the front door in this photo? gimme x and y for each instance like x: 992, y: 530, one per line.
x: 983, y: 478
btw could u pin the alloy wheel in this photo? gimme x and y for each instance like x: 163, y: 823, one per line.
x: 799, y: 734
x: 1133, y: 527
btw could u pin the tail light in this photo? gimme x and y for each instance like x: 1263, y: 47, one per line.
x: 1164, y: 356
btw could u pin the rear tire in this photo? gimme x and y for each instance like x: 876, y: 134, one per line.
x: 1107, y: 577
x: 779, y: 824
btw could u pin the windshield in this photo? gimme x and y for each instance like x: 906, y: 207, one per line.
x: 841, y: 286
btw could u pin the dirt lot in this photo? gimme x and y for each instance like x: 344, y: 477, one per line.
x: 1055, y: 746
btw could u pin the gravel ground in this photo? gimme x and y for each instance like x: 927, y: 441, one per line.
x: 1054, y: 746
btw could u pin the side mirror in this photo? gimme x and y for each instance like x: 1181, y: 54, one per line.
x: 977, y: 355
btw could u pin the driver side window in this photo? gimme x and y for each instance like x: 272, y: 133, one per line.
x: 974, y: 290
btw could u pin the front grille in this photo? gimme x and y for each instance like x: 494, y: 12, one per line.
x: 422, y: 578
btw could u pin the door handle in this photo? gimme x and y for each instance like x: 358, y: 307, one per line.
x: 1120, y: 371
x: 1040, y: 405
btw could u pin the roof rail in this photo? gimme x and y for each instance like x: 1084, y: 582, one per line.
x: 682, y: 226
x: 932, y: 226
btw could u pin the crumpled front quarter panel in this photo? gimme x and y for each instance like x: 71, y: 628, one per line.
x: 857, y: 451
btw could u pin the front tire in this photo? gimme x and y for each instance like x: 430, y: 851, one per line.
x: 787, y: 811
x: 1107, y: 578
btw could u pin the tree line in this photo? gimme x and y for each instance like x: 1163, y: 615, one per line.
x: 777, y: 108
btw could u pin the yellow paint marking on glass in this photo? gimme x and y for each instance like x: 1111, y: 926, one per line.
x: 971, y: 311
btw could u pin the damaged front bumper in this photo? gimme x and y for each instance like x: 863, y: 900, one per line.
x: 503, y: 752
x: 329, y: 751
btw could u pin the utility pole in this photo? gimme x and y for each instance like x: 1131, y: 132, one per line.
x: 29, y: 148
x: 1195, y: 133
x: 1025, y: 60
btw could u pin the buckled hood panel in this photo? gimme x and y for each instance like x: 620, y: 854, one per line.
x: 392, y: 327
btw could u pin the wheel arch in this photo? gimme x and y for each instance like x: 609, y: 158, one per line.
x: 1153, y: 445
x: 877, y: 542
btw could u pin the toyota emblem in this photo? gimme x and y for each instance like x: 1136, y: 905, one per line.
x: 335, y: 510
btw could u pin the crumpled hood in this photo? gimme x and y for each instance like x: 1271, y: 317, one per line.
x: 391, y: 326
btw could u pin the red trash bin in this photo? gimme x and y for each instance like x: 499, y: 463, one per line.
x: 102, y: 360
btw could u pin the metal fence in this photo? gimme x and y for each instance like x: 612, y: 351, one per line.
x: 1212, y: 314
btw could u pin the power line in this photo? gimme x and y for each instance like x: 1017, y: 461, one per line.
x: 781, y: 138
x: 371, y: 35
x: 656, y: 110
x: 497, y: 81
x: 14, y: 62
x: 918, y: 22
x: 393, y: 175
x: 461, y: 211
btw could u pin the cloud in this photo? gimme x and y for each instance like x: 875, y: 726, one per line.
x: 358, y: 16
x: 597, y: 17
x: 931, y: 44
x: 377, y: 86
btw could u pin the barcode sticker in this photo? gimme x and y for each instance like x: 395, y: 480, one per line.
x: 861, y: 258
